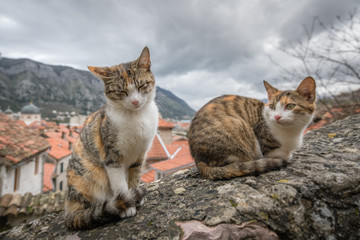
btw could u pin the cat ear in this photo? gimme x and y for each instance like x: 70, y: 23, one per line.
x: 270, y: 89
x: 144, y: 60
x: 101, y: 72
x: 307, y: 89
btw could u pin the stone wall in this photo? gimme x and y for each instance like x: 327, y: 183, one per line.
x: 315, y: 197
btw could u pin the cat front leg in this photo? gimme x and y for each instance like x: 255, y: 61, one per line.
x: 124, y: 199
x: 134, y: 181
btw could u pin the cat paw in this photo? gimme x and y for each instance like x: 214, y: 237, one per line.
x: 140, y: 193
x: 140, y: 203
x: 123, y: 202
x: 130, y: 212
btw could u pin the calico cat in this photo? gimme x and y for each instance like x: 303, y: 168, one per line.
x: 105, y: 168
x: 234, y: 136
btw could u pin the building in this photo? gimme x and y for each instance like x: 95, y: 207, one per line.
x: 168, y: 154
x: 30, y: 113
x: 77, y: 120
x: 22, y: 156
x: 174, y: 157
x: 9, y: 112
x: 62, y: 141
x: 165, y: 130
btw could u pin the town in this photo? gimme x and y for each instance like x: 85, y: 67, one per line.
x: 35, y: 153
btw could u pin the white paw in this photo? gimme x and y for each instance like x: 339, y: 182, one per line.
x: 131, y: 211
x: 279, y: 153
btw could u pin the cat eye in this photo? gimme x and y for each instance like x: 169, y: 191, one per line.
x: 143, y: 86
x: 272, y: 106
x: 124, y: 93
x: 290, y: 106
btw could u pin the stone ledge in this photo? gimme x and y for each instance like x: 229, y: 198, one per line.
x: 315, y: 197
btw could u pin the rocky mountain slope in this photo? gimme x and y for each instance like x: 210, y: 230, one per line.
x: 66, y: 89
x: 317, y: 196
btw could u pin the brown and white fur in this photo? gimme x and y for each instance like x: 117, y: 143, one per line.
x: 105, y: 168
x: 234, y: 136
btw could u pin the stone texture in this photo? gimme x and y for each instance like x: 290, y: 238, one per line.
x: 195, y: 230
x: 315, y: 197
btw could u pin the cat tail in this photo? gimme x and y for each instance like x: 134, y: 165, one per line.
x: 237, y: 168
x: 84, y: 216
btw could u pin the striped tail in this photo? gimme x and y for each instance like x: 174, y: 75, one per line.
x: 80, y: 215
x: 237, y: 169
x: 85, y: 218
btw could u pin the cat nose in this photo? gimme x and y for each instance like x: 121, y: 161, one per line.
x: 277, y: 117
x: 135, y: 102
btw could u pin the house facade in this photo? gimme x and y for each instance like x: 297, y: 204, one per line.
x: 62, y: 141
x: 165, y: 130
x: 24, y: 176
x: 22, y: 156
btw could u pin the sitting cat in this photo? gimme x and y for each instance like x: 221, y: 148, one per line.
x: 233, y: 136
x: 105, y: 168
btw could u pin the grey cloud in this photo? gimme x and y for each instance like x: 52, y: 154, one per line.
x: 223, y: 38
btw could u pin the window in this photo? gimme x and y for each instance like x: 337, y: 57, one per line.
x: 36, y: 165
x: 61, y: 186
x: 158, y: 175
x: 61, y: 167
x: 17, y: 179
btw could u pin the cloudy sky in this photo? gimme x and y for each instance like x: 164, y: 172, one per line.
x: 200, y: 49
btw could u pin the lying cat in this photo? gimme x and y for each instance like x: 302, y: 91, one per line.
x: 233, y: 136
x: 105, y: 168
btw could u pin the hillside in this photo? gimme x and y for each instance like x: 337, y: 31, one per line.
x: 64, y: 88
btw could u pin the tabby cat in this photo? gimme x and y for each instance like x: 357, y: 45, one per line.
x: 105, y: 168
x: 233, y: 136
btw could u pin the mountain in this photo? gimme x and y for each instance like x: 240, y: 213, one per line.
x: 64, y: 89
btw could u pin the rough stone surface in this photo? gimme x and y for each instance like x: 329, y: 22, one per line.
x: 315, y: 197
x: 195, y: 230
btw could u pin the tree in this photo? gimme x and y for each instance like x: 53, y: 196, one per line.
x: 331, y: 56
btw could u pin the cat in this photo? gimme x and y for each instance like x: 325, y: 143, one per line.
x: 105, y: 168
x: 233, y: 136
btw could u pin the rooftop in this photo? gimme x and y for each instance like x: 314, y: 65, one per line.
x: 157, y: 151
x: 18, y: 142
x: 60, y: 142
x: 165, y: 124
x: 30, y: 109
x: 28, y: 204
x: 181, y: 158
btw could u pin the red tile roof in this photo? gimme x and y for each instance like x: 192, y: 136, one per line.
x: 157, y: 151
x: 59, y: 148
x: 17, y: 141
x: 42, y: 123
x: 60, y: 145
x: 148, y: 176
x: 181, y: 160
x: 180, y: 152
x: 48, y: 172
x: 165, y: 124
x: 32, y: 205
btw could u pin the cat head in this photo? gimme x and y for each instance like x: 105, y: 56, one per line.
x: 291, y: 108
x: 128, y: 85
